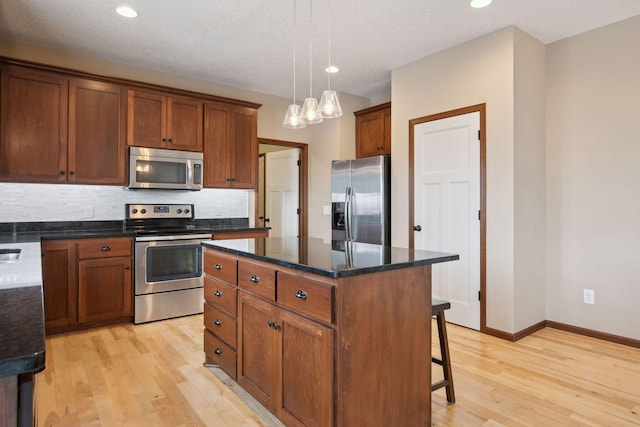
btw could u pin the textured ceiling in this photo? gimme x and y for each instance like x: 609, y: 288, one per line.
x: 249, y: 43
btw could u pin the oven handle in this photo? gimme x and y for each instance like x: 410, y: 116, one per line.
x: 177, y: 237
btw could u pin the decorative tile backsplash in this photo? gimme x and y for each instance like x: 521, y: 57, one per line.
x: 64, y: 202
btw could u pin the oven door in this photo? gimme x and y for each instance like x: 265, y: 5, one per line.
x: 163, y: 266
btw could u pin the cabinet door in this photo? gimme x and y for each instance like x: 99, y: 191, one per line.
x: 33, y: 126
x: 386, y: 136
x: 256, y: 362
x: 59, y: 273
x: 217, y: 123
x: 184, y: 124
x: 104, y: 289
x: 96, y: 133
x: 243, y: 148
x: 305, y: 374
x: 230, y: 147
x: 369, y: 129
x: 147, y: 120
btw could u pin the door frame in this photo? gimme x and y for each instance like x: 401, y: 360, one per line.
x: 303, y: 186
x: 480, y: 108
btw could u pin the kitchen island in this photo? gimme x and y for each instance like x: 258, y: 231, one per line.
x: 22, y: 344
x: 323, y: 333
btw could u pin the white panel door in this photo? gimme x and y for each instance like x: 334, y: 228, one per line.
x: 447, y: 206
x: 281, y: 192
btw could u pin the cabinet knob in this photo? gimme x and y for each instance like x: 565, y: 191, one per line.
x: 62, y: 172
x: 218, y: 293
x: 105, y: 248
x: 276, y: 326
x: 218, y: 322
x: 126, y: 267
x: 71, y: 173
x: 269, y: 323
x: 164, y: 139
x: 218, y: 350
x: 217, y: 267
x: 301, y: 294
x: 417, y: 227
x: 170, y: 139
x: 254, y: 278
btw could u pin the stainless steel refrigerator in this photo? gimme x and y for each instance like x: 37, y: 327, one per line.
x: 360, y: 200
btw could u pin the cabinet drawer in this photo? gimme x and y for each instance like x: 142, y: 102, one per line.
x: 218, y: 353
x: 104, y: 247
x: 220, y: 266
x: 257, y: 279
x: 305, y: 296
x: 221, y: 295
x: 221, y: 324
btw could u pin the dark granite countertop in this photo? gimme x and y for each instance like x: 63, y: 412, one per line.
x: 22, y: 342
x: 329, y: 258
x: 16, y: 232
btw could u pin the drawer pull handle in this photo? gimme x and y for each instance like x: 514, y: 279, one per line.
x: 254, y: 278
x: 218, y: 293
x: 105, y: 248
x: 217, y: 267
x: 301, y: 294
x: 218, y: 322
x: 218, y: 350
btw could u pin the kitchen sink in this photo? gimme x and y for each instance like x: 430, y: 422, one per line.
x: 9, y: 255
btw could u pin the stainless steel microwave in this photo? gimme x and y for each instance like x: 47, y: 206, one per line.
x: 165, y: 169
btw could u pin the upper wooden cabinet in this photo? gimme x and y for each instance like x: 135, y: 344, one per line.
x: 56, y: 129
x: 97, y: 149
x: 159, y: 121
x: 230, y: 146
x: 33, y: 126
x: 373, y: 131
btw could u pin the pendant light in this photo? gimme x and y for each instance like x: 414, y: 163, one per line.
x: 310, y: 113
x: 329, y: 104
x: 292, y: 119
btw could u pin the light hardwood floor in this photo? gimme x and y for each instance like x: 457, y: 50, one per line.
x: 152, y: 375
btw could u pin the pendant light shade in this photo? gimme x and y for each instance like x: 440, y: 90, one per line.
x: 330, y: 105
x: 292, y: 119
x: 310, y: 113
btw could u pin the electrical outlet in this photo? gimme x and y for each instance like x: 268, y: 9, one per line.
x: 219, y: 211
x: 326, y: 210
x: 589, y: 296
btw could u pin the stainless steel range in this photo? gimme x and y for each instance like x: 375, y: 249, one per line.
x: 168, y: 279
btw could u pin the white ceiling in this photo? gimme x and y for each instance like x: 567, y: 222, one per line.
x: 249, y: 43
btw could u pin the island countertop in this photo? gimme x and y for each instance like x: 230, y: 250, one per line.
x: 22, y: 342
x: 329, y: 258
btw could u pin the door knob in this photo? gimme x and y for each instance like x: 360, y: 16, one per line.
x: 417, y: 227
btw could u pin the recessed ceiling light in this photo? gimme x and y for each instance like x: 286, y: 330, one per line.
x: 127, y: 12
x: 332, y: 69
x: 480, y: 3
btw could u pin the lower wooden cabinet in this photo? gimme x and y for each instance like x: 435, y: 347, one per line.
x: 286, y: 362
x: 86, y: 282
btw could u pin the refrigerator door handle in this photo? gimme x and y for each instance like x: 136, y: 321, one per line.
x: 347, y: 214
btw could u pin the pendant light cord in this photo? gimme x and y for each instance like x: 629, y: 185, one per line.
x: 294, y: 51
x: 310, y: 48
x: 329, y: 65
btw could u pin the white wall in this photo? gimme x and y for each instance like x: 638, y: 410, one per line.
x: 593, y: 179
x: 477, y: 72
x: 529, y: 181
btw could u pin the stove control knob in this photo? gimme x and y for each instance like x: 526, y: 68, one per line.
x: 186, y: 211
x: 179, y: 211
x: 134, y: 211
x: 143, y: 211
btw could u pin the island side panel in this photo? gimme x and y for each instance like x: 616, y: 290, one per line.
x: 383, y: 348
